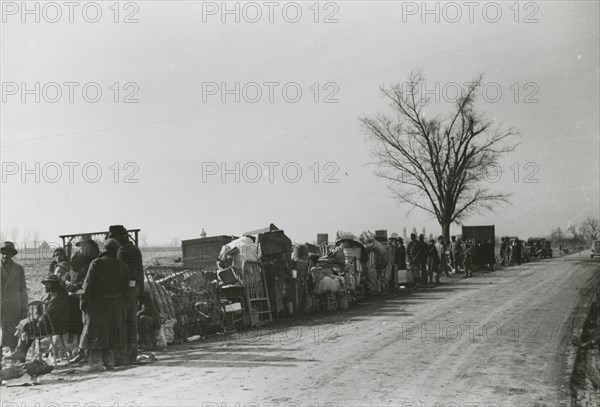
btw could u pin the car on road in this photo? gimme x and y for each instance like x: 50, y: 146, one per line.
x: 539, y: 247
x: 595, y: 248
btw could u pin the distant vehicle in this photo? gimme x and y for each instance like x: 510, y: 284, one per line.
x: 539, y: 247
x: 482, y: 233
x: 595, y: 248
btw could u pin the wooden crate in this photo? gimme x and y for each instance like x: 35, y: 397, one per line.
x: 203, y: 252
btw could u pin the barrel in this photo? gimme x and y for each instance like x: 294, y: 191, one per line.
x: 381, y: 236
x: 322, y: 239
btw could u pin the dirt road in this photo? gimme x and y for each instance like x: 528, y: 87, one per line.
x: 498, y: 339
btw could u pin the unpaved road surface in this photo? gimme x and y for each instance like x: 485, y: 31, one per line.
x: 498, y: 339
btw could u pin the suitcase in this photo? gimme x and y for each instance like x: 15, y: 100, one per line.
x: 405, y: 277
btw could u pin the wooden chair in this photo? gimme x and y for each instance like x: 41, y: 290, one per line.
x: 34, y: 309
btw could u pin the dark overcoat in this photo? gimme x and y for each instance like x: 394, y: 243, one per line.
x: 14, y: 301
x: 80, y: 263
x: 105, y: 291
x: 400, y: 257
x: 132, y: 256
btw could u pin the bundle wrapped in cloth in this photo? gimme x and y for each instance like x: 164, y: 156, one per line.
x: 326, y: 281
x: 381, y: 252
x: 345, y: 235
x: 237, y: 251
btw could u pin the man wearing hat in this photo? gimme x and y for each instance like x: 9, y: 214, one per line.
x: 414, y: 257
x: 393, y: 248
x: 423, y: 259
x: 13, y: 296
x: 52, y: 321
x: 400, y: 254
x: 105, y: 290
x: 131, y: 255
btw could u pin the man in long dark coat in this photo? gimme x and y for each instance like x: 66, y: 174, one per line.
x: 131, y: 255
x: 105, y: 290
x: 414, y: 257
x: 423, y: 259
x: 400, y: 255
x: 13, y: 296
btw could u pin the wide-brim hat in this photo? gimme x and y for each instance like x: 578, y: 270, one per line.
x: 394, y: 236
x: 116, y: 230
x: 51, y: 279
x: 8, y: 248
x: 84, y: 239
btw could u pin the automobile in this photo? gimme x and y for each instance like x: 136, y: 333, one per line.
x: 595, y: 248
x: 539, y: 247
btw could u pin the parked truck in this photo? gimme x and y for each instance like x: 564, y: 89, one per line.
x: 482, y: 234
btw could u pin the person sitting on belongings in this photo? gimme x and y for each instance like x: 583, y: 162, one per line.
x: 148, y: 323
x: 51, y: 321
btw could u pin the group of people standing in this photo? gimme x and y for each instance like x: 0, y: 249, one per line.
x: 97, y: 295
x: 511, y: 253
x: 429, y: 260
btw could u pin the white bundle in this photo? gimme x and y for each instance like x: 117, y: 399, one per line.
x: 328, y: 284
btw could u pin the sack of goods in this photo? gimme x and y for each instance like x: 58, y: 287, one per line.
x: 345, y: 235
x: 240, y: 250
x: 326, y: 281
x: 328, y: 284
x: 381, y: 252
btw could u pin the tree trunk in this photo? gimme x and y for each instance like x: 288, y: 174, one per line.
x: 446, y: 231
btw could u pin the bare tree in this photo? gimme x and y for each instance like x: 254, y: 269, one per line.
x: 26, y: 236
x: 438, y: 164
x: 557, y: 236
x: 144, y: 237
x: 590, y: 228
x: 14, y: 234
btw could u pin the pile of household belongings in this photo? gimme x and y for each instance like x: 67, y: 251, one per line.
x: 338, y: 271
x: 357, y: 260
x: 232, y: 257
x: 187, y: 300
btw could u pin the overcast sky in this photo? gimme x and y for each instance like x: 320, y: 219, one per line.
x: 176, y: 57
